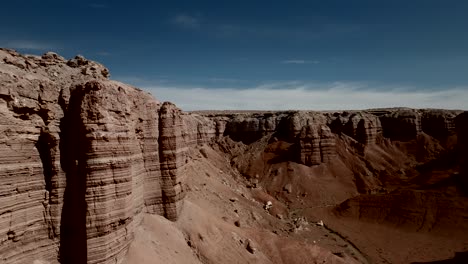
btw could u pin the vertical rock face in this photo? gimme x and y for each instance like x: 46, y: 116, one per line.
x: 368, y: 129
x: 308, y: 129
x: 439, y: 123
x: 401, y: 124
x: 294, y: 122
x: 363, y: 127
x: 198, y: 129
x: 33, y: 94
x: 25, y: 196
x: 105, y: 170
x: 317, y: 144
x: 314, y: 140
x: 173, y: 155
x: 248, y: 129
x: 82, y: 158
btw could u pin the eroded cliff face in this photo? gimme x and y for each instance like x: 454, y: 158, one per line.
x: 439, y: 123
x: 249, y: 128
x: 363, y: 127
x: 34, y: 94
x: 315, y: 142
x: 374, y: 147
x: 82, y: 158
x: 315, y: 134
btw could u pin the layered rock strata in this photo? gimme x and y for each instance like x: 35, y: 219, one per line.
x: 34, y: 93
x: 363, y: 127
x: 316, y: 143
x: 82, y: 158
x: 401, y: 124
x: 314, y: 132
x: 172, y: 149
x: 439, y: 123
x: 308, y: 130
x: 249, y: 128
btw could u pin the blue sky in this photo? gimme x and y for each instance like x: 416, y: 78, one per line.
x: 292, y: 54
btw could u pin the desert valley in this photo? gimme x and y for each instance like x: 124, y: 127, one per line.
x: 97, y: 171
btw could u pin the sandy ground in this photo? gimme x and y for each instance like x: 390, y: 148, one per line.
x: 221, y: 222
x: 223, y: 219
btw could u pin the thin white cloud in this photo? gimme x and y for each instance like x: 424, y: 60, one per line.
x: 186, y: 21
x: 300, y: 62
x: 337, y: 96
x: 28, y: 45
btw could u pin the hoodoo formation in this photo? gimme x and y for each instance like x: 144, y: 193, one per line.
x: 92, y: 169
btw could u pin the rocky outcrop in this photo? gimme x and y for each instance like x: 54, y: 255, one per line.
x: 199, y: 130
x: 172, y: 149
x: 401, y: 124
x: 82, y: 158
x: 34, y: 94
x: 249, y: 128
x: 314, y: 132
x: 363, y: 127
x: 105, y: 170
x: 308, y: 130
x: 316, y: 144
x: 439, y: 123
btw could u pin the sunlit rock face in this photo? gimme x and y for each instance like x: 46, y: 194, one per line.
x: 34, y: 97
x: 82, y: 157
x: 317, y: 144
x: 314, y: 138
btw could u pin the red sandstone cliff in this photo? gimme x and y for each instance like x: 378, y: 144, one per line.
x: 82, y: 157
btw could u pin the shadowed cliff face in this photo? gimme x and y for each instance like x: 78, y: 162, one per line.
x: 462, y: 132
x: 73, y: 146
x: 34, y: 93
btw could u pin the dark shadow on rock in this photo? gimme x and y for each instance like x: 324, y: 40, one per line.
x: 73, y: 242
x: 44, y: 145
x: 460, y: 258
x: 284, y: 153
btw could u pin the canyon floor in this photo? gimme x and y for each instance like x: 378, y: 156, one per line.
x: 224, y: 219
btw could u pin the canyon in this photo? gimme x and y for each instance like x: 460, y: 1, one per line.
x: 96, y: 171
